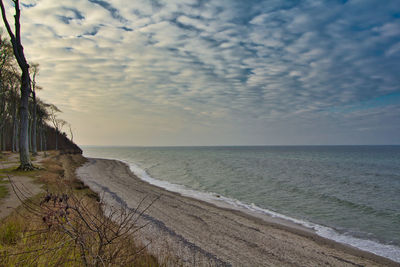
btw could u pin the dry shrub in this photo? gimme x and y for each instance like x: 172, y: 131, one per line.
x: 68, y: 228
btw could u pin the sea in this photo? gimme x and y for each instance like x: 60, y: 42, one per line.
x: 350, y: 194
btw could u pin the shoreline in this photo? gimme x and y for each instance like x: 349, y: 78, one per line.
x: 255, y: 239
x: 370, y: 246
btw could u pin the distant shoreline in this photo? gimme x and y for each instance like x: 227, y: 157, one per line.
x: 196, y: 229
x: 238, y: 146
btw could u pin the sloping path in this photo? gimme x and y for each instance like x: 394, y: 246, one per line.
x: 25, y: 184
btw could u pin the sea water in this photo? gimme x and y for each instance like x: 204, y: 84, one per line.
x: 350, y: 194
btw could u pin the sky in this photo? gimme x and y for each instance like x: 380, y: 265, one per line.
x: 220, y: 72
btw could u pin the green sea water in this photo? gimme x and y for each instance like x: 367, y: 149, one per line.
x: 347, y: 193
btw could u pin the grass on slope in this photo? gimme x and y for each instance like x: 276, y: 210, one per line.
x: 66, y: 225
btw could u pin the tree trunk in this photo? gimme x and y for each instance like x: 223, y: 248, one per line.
x: 14, y: 133
x: 44, y: 139
x: 56, y: 139
x: 3, y: 120
x: 25, y: 160
x: 14, y: 137
x: 41, y: 136
x: 3, y: 137
x: 17, y: 138
x: 34, y: 122
x: 29, y: 132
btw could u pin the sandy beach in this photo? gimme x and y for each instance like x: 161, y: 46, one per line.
x: 196, y: 233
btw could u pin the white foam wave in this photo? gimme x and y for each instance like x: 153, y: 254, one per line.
x: 388, y: 251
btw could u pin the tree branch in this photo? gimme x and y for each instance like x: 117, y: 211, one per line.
x: 14, y: 39
x: 3, y: 13
x: 17, y: 17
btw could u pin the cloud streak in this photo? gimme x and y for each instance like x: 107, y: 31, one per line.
x: 219, y: 67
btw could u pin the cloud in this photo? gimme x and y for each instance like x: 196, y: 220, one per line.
x: 213, y: 64
x: 394, y: 50
x: 113, y: 11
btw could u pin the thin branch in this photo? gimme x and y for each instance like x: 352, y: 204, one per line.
x: 3, y: 13
x: 17, y: 17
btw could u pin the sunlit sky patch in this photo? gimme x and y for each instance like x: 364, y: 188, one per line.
x: 221, y: 72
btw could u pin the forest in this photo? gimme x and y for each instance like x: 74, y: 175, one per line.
x: 46, y: 131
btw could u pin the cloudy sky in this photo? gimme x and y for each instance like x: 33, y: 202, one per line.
x: 220, y: 72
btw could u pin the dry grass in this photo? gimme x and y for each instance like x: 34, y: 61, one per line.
x: 3, y: 191
x: 66, y: 226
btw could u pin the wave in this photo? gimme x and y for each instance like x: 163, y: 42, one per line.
x: 385, y: 250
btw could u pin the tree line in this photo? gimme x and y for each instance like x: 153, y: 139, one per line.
x: 22, y: 105
x: 45, y: 129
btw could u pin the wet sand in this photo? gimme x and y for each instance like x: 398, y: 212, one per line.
x: 196, y: 233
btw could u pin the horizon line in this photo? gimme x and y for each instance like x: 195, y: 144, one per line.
x: 292, y: 145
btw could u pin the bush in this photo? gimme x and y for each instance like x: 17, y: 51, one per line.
x: 67, y: 226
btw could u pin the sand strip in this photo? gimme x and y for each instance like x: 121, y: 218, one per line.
x: 200, y: 233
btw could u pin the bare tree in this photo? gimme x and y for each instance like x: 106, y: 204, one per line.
x: 5, y: 62
x: 18, y: 49
x: 70, y: 132
x: 57, y: 123
x: 35, y: 70
x: 81, y: 227
x: 14, y: 96
x: 42, y: 116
